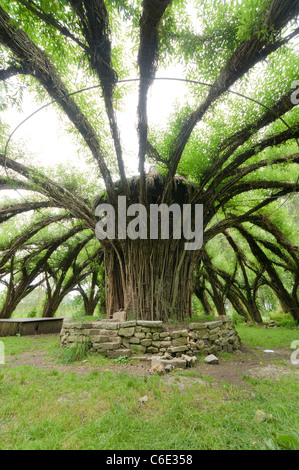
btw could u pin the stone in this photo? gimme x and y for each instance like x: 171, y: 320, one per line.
x: 177, y: 363
x: 97, y: 324
x: 143, y: 400
x: 201, y: 334
x: 138, y: 334
x: 157, y: 369
x: 137, y: 349
x: 152, y: 350
x: 127, y: 324
x: 111, y: 326
x: 142, y: 357
x: 211, y: 359
x: 114, y: 354
x: 190, y: 360
x: 184, y: 333
x: 213, y: 337
x: 169, y: 368
x: 109, y: 346
x: 197, y: 326
x: 73, y: 338
x: 150, y: 324
x: 216, y: 330
x: 146, y: 342
x: 165, y: 344
x: 175, y: 334
x: 228, y: 348
x: 213, y: 324
x: 125, y: 342
x: 167, y: 356
x: 85, y: 325
x: 164, y: 334
x: 179, y: 341
x: 156, y: 360
x: 177, y: 349
x: 156, y: 330
x: 134, y: 340
x: 90, y: 332
x: 120, y: 316
x: 105, y: 332
x: 104, y: 339
x: 261, y: 417
x: 127, y: 332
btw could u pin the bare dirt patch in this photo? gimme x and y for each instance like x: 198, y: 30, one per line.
x: 232, y: 369
x: 39, y: 359
x: 251, y: 363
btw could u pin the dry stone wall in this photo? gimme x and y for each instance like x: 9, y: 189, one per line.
x: 138, y: 337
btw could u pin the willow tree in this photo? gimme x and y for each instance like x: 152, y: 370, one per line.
x: 216, y: 147
x: 244, y: 262
x: 49, y: 251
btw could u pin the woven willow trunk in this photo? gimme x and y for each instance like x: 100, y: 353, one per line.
x: 150, y: 279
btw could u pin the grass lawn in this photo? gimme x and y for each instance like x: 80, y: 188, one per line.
x: 59, y: 408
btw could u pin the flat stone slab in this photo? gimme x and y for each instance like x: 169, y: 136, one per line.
x: 205, y: 325
x: 142, y: 357
x: 213, y: 324
x: 149, y: 324
x: 114, y: 354
x: 109, y: 346
x: 30, y: 326
x: 127, y: 324
x: 198, y: 326
x: 177, y: 363
x: 178, y: 349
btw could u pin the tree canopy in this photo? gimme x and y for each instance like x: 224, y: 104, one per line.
x: 231, y: 143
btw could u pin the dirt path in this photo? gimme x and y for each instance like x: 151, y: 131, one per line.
x: 247, y: 362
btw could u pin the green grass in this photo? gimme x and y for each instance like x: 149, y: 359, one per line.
x: 73, y: 353
x: 18, y: 345
x: 47, y: 409
x: 269, y: 338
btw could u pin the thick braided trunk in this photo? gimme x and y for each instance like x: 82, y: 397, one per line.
x: 150, y: 279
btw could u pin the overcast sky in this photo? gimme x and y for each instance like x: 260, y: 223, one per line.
x: 44, y: 137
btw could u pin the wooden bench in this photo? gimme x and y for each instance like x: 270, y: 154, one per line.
x: 30, y: 326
